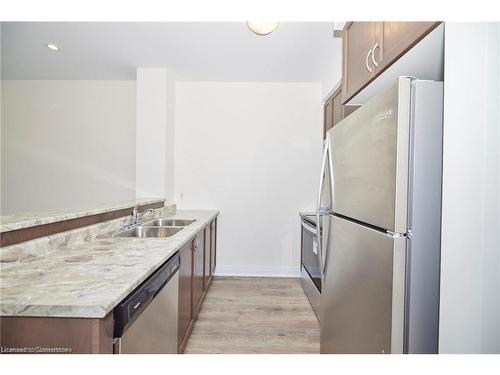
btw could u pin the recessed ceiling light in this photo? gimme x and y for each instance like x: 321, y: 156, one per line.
x: 52, y: 46
x: 262, y: 28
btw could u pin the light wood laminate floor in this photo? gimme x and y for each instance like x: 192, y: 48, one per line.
x: 255, y: 315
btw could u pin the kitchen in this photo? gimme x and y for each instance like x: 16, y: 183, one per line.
x: 245, y: 187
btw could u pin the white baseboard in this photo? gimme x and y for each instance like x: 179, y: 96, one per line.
x: 257, y: 271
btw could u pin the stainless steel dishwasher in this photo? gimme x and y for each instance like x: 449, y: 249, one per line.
x: 146, y: 320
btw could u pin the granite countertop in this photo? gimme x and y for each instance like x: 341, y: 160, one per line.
x: 30, y: 219
x: 88, y: 279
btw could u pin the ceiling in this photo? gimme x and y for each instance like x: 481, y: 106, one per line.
x: 218, y: 51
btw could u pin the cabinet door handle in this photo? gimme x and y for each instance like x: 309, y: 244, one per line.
x: 373, y: 54
x: 366, y: 62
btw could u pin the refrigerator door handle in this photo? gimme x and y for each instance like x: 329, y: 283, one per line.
x: 323, y: 162
x: 320, y: 210
x: 329, y: 162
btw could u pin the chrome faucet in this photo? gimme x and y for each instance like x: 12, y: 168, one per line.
x: 136, y: 215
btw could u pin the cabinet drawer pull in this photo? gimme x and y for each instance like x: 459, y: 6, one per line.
x: 373, y: 54
x: 366, y: 62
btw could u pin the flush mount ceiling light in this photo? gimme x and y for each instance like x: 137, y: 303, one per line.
x: 262, y: 28
x: 52, y: 46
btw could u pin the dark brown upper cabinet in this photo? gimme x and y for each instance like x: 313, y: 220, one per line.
x: 369, y: 48
x: 335, y: 111
x: 338, y: 110
x: 327, y: 116
x: 357, y: 69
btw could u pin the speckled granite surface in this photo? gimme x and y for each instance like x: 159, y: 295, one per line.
x: 87, y: 278
x: 30, y: 219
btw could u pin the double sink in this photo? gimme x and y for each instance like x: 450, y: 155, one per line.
x: 159, y: 228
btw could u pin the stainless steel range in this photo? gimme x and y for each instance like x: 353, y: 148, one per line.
x: 311, y: 273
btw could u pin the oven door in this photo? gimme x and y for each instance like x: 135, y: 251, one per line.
x: 310, y: 257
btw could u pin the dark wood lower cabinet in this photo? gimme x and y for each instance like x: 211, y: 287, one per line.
x: 56, y: 335
x: 207, y: 274
x: 185, y: 316
x: 213, y: 246
x: 199, y: 256
x: 198, y: 268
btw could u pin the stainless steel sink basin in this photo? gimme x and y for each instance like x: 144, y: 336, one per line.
x: 143, y: 231
x: 169, y: 222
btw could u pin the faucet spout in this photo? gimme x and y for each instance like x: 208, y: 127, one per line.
x: 136, y: 215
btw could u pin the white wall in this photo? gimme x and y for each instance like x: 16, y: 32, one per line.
x: 170, y: 134
x: 253, y: 151
x: 66, y: 143
x: 470, y: 259
x: 332, y: 73
x: 155, y: 133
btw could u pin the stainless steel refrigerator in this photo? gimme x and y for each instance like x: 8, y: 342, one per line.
x: 379, y: 204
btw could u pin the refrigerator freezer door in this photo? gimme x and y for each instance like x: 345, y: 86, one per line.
x: 370, y: 160
x: 362, y: 302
